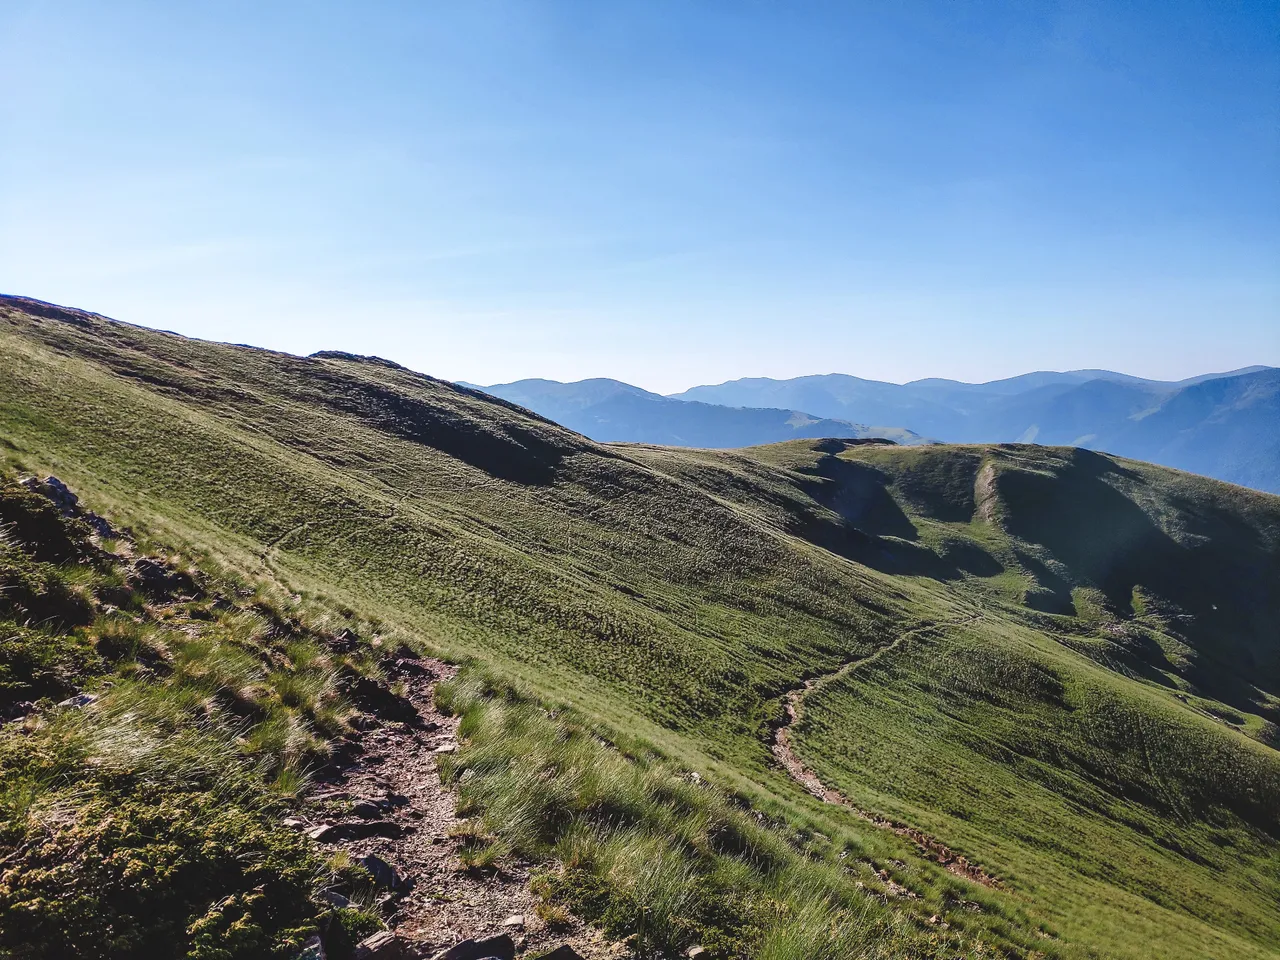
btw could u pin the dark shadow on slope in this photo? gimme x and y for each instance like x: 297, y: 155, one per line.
x: 870, y: 527
x: 1217, y: 586
x: 859, y: 494
x: 885, y: 554
x: 967, y: 557
x: 939, y: 483
x: 504, y: 450
x: 1098, y: 533
x: 1051, y: 593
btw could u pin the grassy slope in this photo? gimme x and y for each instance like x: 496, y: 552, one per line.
x: 1084, y: 779
x: 146, y: 821
x: 675, y: 595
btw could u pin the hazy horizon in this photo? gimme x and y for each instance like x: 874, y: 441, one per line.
x: 663, y: 194
x: 845, y: 373
x: 471, y: 381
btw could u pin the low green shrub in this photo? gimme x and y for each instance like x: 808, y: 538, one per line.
x: 147, y: 823
x: 183, y: 874
x: 35, y: 664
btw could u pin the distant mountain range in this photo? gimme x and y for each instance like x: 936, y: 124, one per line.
x: 609, y: 410
x: 1224, y: 425
x: 1045, y: 406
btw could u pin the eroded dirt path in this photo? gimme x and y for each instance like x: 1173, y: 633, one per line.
x: 783, y: 749
x: 389, y: 784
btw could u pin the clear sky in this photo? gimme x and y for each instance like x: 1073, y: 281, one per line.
x: 669, y: 193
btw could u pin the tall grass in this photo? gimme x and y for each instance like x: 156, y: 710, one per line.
x: 661, y: 859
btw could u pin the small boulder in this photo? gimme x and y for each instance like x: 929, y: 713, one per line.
x: 57, y: 491
x: 562, y: 952
x: 358, y: 830
x: 79, y: 700
x: 313, y: 949
x: 501, y: 947
x: 383, y: 873
x: 446, y: 748
x: 514, y: 922
x: 374, y: 828
x: 367, y: 809
x: 386, y: 945
x: 335, y: 898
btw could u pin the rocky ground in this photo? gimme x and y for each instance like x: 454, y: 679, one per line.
x: 385, y: 805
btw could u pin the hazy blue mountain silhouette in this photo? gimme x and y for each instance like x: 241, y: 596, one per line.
x: 1228, y: 428
x: 609, y: 410
x: 1223, y: 425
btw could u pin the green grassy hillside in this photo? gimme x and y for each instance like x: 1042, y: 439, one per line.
x: 1091, y: 718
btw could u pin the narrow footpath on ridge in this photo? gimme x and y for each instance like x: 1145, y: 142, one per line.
x: 784, y: 750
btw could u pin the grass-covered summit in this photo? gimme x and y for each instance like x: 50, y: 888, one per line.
x: 1076, y: 671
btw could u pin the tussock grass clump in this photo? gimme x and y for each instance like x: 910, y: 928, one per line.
x: 660, y: 859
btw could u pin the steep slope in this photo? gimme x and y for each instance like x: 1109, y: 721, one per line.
x: 1025, y: 665
x: 1061, y: 744
x: 608, y: 410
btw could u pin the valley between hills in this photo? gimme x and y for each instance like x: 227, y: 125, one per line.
x: 822, y: 698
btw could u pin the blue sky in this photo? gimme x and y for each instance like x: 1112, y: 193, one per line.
x: 669, y: 193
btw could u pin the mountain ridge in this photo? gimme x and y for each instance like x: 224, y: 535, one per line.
x: 1014, y: 384
x: 613, y: 411
x: 1150, y: 420
x: 1101, y: 741
x: 1169, y: 422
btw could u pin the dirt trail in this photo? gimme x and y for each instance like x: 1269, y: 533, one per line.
x: 783, y: 749
x: 394, y: 767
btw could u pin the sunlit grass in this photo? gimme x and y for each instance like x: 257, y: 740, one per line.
x: 652, y: 855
